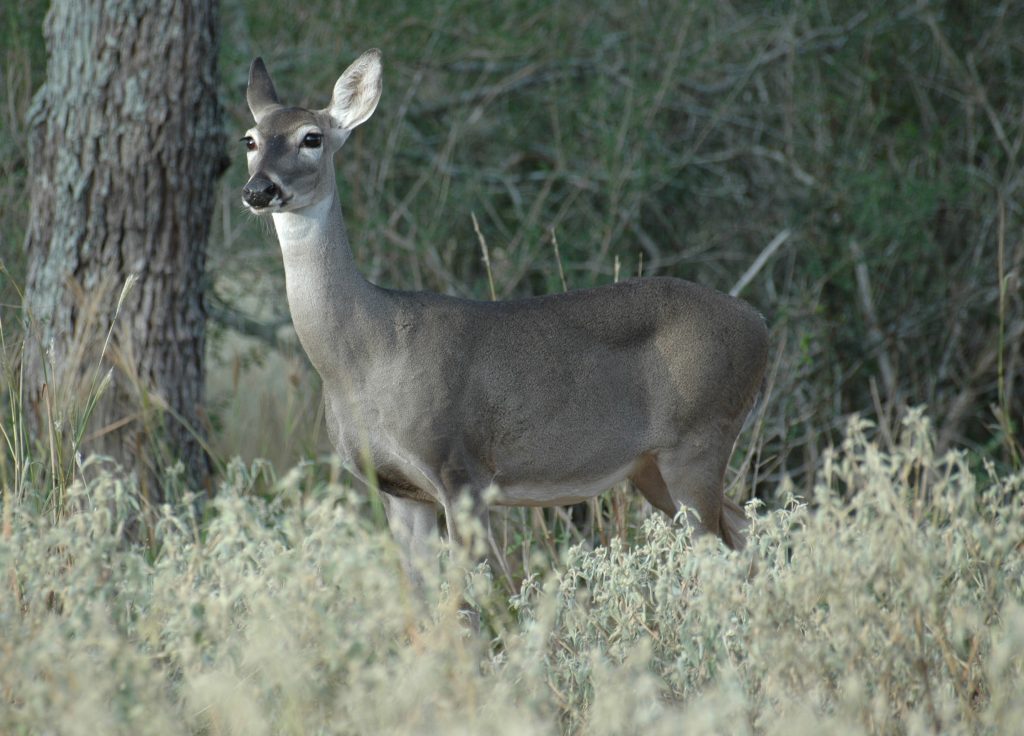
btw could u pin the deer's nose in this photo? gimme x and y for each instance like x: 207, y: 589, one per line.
x: 258, y: 192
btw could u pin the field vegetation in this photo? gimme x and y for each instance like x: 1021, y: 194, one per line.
x: 854, y: 170
x: 898, y: 610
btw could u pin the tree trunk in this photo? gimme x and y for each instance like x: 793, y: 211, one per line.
x: 126, y: 143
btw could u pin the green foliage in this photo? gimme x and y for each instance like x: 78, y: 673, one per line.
x: 22, y: 69
x: 680, y: 138
x: 674, y: 138
x: 899, y: 611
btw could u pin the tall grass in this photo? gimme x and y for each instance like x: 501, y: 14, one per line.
x: 899, y: 611
x: 44, y: 436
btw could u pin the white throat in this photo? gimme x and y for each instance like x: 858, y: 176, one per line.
x: 300, y: 226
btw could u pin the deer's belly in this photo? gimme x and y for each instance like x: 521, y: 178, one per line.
x: 559, y: 493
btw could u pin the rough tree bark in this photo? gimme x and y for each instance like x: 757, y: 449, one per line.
x: 126, y: 144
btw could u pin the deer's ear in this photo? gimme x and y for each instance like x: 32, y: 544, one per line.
x: 260, y: 93
x: 357, y: 91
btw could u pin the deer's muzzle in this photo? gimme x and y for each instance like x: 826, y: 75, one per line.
x: 259, y: 192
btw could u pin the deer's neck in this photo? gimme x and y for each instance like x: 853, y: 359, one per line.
x: 334, y: 309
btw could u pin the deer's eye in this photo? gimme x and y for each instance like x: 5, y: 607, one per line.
x: 250, y: 144
x: 312, y: 140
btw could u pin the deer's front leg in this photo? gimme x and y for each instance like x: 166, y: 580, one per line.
x: 413, y: 524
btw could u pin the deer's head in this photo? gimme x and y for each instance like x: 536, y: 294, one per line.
x: 290, y: 149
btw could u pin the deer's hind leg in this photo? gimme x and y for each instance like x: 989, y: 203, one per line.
x: 691, y: 477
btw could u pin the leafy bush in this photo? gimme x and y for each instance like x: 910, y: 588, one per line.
x: 899, y: 610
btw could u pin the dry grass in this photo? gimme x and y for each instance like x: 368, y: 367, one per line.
x: 900, y: 611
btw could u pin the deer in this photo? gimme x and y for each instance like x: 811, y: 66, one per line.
x: 537, y: 401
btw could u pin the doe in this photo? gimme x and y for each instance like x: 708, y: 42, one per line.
x: 551, y: 399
